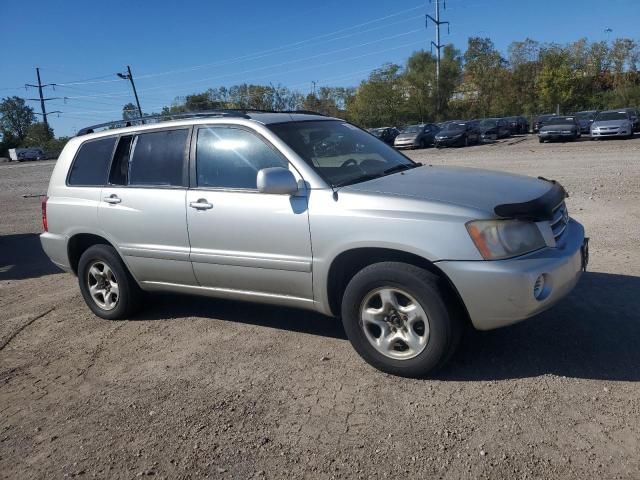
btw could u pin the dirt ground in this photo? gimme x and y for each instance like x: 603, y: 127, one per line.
x: 203, y: 388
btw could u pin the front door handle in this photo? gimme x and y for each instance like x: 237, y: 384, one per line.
x: 201, y: 204
x: 112, y: 199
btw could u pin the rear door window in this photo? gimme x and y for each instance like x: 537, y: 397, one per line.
x: 158, y: 159
x: 91, y: 165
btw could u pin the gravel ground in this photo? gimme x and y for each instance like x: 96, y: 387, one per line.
x: 203, y: 388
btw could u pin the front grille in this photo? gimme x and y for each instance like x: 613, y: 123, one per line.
x: 559, y: 220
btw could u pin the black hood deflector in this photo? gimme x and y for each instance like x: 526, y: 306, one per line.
x: 538, y: 209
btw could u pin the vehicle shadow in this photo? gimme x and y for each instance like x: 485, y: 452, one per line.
x: 594, y: 334
x: 172, y: 306
x: 21, y: 257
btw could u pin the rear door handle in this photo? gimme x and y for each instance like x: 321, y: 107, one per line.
x: 112, y: 199
x: 201, y: 204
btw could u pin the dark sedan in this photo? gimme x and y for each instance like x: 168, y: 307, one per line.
x: 559, y: 128
x: 541, y: 120
x: 386, y: 134
x: 492, y: 129
x: 518, y: 125
x: 459, y: 134
x: 585, y: 119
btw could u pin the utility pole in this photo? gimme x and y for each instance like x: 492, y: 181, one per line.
x: 313, y: 82
x: 40, y: 86
x: 437, y: 43
x: 129, y: 76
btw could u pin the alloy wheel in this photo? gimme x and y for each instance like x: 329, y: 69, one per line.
x: 103, y: 285
x: 394, y: 323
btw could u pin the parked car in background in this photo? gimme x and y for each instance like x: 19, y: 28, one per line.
x: 612, y: 123
x: 416, y: 136
x: 585, y: 119
x: 634, y: 116
x: 559, y: 128
x: 541, y: 120
x: 405, y: 254
x: 457, y: 134
x: 26, y: 154
x: 518, y: 125
x: 491, y: 129
x: 386, y: 134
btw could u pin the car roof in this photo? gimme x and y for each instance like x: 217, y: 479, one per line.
x: 241, y: 117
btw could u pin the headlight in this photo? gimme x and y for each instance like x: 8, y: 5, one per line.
x: 566, y: 131
x: 497, y: 239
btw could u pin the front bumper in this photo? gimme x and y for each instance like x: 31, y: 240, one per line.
x: 400, y: 144
x: 499, y: 293
x: 611, y: 132
x: 448, y: 142
x: 557, y: 135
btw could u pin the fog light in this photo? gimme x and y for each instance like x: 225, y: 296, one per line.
x: 538, y: 287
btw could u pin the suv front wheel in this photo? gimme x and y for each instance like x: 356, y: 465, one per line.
x: 396, y: 317
x: 106, y: 285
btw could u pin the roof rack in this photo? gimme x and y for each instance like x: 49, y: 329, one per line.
x: 163, y: 117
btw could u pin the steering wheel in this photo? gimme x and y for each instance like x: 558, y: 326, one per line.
x: 348, y: 163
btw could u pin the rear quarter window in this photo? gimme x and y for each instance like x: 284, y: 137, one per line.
x: 91, y: 165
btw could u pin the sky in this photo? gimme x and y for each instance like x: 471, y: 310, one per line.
x: 178, y: 48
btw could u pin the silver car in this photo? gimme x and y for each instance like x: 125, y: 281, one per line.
x: 312, y: 212
x: 612, y: 123
x: 416, y: 136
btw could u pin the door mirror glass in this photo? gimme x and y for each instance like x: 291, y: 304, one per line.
x: 277, y: 180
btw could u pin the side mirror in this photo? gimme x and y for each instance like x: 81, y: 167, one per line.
x: 277, y: 180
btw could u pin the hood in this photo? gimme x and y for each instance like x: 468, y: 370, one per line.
x: 557, y: 126
x: 407, y: 136
x: 610, y: 123
x: 468, y: 187
x: 449, y: 133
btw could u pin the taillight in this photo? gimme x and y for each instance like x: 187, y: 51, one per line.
x: 45, y: 225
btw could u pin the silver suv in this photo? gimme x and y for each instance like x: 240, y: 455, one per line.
x: 308, y: 211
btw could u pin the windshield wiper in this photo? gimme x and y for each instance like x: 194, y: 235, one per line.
x: 370, y: 176
x: 401, y: 167
x: 363, y: 178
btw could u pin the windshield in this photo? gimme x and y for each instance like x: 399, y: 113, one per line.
x: 411, y: 129
x: 341, y: 153
x: 604, y: 116
x: 562, y: 121
x: 454, y: 127
x: 377, y: 132
x: 488, y: 123
x: 585, y: 116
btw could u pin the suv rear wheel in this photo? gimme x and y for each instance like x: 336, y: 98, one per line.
x: 396, y: 317
x: 106, y: 285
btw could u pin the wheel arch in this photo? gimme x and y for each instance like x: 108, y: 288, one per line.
x: 79, y: 243
x: 346, y: 264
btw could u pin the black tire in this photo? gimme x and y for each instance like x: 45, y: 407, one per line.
x: 443, y: 313
x: 540, y: 140
x: 466, y: 141
x: 423, y: 144
x: 129, y: 296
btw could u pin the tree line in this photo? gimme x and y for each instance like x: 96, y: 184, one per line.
x: 531, y: 78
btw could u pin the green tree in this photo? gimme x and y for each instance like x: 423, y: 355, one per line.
x: 129, y: 111
x: 15, y: 117
x: 380, y: 100
x: 38, y: 135
x: 485, y: 71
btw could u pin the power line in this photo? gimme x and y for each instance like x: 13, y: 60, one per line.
x: 437, y: 43
x: 40, y: 86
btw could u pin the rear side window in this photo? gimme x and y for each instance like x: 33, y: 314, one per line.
x: 91, y: 165
x: 158, y: 158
